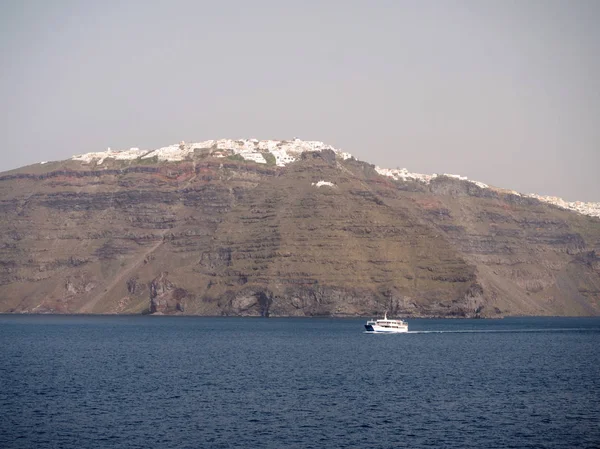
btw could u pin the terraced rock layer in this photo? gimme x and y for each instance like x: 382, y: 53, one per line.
x: 324, y: 235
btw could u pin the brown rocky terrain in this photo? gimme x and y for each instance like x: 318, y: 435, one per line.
x: 225, y: 236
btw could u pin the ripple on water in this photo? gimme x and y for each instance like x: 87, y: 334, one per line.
x: 106, y: 382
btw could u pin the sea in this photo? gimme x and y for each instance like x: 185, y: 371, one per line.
x: 197, y: 382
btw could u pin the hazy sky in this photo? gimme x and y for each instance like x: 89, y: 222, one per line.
x: 504, y: 92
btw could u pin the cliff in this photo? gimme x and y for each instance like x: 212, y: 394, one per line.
x: 265, y: 230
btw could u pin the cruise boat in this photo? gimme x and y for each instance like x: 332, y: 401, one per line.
x: 386, y: 326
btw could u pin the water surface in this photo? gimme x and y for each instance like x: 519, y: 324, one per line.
x: 191, y: 382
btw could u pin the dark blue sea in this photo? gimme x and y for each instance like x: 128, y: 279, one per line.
x: 190, y: 382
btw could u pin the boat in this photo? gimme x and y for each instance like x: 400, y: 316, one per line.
x: 386, y: 326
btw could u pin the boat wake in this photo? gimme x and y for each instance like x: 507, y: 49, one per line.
x: 497, y: 331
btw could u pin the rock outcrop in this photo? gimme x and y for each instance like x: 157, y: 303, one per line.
x: 165, y: 297
x: 211, y: 233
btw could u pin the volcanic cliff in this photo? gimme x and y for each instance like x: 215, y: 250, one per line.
x: 284, y: 228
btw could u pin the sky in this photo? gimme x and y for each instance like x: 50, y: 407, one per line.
x: 504, y: 92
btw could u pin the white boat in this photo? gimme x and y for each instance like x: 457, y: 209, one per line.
x: 386, y: 326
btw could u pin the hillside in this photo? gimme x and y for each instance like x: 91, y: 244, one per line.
x: 284, y: 228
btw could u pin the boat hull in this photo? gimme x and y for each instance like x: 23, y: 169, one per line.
x: 370, y: 329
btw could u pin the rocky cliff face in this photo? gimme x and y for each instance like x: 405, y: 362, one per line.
x: 324, y: 234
